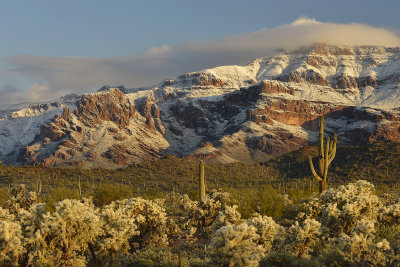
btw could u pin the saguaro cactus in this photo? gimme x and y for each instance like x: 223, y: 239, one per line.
x: 202, y: 182
x: 79, y: 186
x: 38, y: 186
x: 325, y: 157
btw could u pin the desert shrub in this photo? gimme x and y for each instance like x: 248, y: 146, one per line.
x: 150, y: 218
x: 360, y: 247
x: 11, y: 246
x: 341, y: 227
x: 236, y: 245
x: 390, y: 213
x: 283, y: 257
x: 302, y: 238
x: 230, y: 215
x: 199, y: 262
x: 339, y: 209
x: 267, y: 230
x: 65, y: 235
x: 390, y: 232
x: 159, y: 257
x: 5, y: 215
x: 31, y: 223
x: 106, y: 193
x: 209, y: 215
x: 243, y: 244
x: 58, y: 194
x: 21, y: 198
x: 4, y: 196
x: 265, y: 201
x: 118, y: 229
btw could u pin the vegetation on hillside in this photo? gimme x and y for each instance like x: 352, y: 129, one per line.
x: 344, y: 226
x: 152, y: 214
x: 250, y: 183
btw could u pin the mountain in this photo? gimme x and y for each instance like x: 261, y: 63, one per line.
x: 226, y: 114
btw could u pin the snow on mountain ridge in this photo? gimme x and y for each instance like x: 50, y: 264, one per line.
x: 227, y: 113
x: 333, y: 67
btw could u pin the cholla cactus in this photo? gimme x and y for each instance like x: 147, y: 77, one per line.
x: 150, y: 218
x: 338, y: 223
x: 5, y: 215
x: 341, y: 208
x: 303, y: 237
x: 10, y: 243
x: 229, y: 216
x: 21, y: 199
x: 359, y: 247
x: 243, y: 244
x: 267, y: 229
x: 65, y: 235
x: 236, y: 245
x: 31, y: 222
x: 206, y: 212
x: 224, y: 198
x: 390, y: 213
x: 118, y: 229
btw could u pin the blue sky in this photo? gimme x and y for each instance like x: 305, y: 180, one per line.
x: 117, y: 28
x: 41, y: 40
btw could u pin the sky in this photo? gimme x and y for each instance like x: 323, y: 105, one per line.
x: 50, y: 48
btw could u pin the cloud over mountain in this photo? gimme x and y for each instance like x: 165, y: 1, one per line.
x: 55, y: 76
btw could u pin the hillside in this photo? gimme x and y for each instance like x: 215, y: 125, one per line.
x: 377, y: 163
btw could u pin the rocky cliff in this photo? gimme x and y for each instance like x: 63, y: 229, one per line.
x: 229, y: 113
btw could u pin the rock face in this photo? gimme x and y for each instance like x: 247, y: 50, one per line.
x: 112, y: 105
x: 151, y: 112
x: 226, y: 114
x: 98, y: 133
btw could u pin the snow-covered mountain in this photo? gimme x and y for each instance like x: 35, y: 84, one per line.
x: 230, y: 113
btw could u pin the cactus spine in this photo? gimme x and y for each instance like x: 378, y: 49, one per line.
x: 325, y: 157
x: 202, y: 182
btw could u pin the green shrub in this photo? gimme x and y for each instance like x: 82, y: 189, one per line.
x: 57, y: 195
x: 390, y: 232
x: 284, y: 258
x: 155, y: 257
x: 104, y: 194
x: 4, y: 196
x: 266, y: 201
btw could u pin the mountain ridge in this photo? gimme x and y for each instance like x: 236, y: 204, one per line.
x: 226, y: 114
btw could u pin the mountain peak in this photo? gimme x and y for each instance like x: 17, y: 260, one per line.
x: 243, y: 113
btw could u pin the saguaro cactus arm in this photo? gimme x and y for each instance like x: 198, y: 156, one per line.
x: 39, y: 186
x: 332, y: 152
x: 313, y: 170
x: 326, y: 161
x: 321, y: 137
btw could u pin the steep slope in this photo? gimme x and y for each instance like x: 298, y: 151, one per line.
x: 104, y: 130
x: 229, y: 113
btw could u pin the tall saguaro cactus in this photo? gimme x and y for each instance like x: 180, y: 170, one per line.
x: 202, y: 182
x: 325, y: 157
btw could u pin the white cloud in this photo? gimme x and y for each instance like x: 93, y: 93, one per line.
x: 78, y: 75
x: 304, y: 20
x: 36, y: 93
x: 155, y: 51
